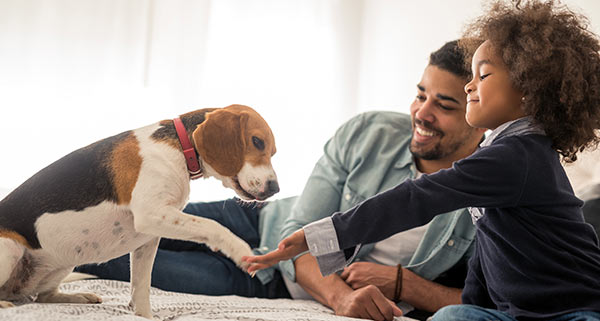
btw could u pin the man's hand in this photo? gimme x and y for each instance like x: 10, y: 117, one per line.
x: 367, y: 303
x: 362, y: 274
x: 287, y: 249
x: 416, y: 291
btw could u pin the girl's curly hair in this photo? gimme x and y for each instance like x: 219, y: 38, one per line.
x: 553, y: 58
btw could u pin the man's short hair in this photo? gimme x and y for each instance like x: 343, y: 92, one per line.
x: 450, y: 58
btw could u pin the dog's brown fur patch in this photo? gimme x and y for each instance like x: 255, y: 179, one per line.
x: 126, y: 163
x: 256, y: 126
x: 220, y: 140
x: 16, y: 237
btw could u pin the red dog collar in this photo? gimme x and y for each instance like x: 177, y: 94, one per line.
x: 188, y: 150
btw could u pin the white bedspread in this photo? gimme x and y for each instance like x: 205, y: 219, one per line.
x: 168, y: 306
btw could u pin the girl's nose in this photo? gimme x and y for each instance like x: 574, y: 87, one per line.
x: 469, y: 87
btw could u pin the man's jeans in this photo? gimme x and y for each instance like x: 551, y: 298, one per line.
x: 465, y: 312
x: 193, y: 268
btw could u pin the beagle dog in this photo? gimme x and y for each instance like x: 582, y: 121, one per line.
x: 122, y: 194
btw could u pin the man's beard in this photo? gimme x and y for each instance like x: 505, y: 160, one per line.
x: 436, y: 152
x: 441, y: 149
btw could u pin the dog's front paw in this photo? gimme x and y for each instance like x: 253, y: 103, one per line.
x: 231, y: 246
x: 142, y: 310
x: 237, y: 251
x: 144, y: 314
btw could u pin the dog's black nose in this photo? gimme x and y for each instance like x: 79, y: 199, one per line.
x: 272, y: 188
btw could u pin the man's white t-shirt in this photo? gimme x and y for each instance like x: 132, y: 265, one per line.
x: 396, y: 249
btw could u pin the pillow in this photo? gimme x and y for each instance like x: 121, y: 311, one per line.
x: 584, y: 174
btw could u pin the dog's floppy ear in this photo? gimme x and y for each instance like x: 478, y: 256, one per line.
x: 220, y: 140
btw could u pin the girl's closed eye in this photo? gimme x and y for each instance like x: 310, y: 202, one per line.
x: 482, y: 77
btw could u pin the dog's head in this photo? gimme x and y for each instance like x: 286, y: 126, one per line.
x: 235, y: 145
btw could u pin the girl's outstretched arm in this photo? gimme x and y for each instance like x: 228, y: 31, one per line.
x: 287, y: 249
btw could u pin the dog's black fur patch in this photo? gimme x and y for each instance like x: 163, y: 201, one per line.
x: 79, y: 180
x: 190, y: 122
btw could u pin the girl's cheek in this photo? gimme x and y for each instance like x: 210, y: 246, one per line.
x: 469, y: 116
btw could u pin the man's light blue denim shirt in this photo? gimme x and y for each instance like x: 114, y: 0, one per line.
x: 367, y: 155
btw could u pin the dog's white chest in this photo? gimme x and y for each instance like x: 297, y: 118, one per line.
x: 96, y: 234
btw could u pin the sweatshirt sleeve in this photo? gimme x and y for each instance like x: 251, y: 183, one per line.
x: 494, y: 176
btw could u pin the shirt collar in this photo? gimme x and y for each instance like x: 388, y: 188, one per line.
x: 518, y: 127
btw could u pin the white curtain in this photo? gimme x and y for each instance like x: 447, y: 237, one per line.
x: 75, y: 71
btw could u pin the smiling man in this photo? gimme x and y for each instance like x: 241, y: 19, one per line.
x: 424, y: 267
x: 421, y: 269
x: 441, y: 135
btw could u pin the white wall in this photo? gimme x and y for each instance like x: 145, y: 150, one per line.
x: 75, y: 71
x: 399, y: 35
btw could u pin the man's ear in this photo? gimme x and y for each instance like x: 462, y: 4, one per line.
x: 220, y: 140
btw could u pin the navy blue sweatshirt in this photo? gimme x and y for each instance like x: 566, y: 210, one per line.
x: 535, y: 256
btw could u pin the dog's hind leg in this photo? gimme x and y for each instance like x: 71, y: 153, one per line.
x: 142, y: 260
x: 49, y: 290
x: 6, y: 304
x: 11, y: 253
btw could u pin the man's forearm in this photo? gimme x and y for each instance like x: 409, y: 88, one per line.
x: 427, y: 295
x: 326, y: 290
x: 365, y: 303
x: 416, y: 291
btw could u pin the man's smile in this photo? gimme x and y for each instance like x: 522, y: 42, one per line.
x: 424, y: 135
x: 424, y: 132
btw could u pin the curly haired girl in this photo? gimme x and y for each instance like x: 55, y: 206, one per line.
x: 552, y: 59
x: 536, y: 85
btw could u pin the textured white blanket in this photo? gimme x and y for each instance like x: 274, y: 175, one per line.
x: 168, y: 306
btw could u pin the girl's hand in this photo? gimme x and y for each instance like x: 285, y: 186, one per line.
x: 287, y: 249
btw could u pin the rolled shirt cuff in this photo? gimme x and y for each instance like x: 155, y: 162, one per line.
x: 321, y: 237
x: 323, y: 244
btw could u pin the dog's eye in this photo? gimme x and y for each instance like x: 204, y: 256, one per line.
x: 258, y: 143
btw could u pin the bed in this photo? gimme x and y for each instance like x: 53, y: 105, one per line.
x: 584, y: 174
x: 169, y: 306
x: 166, y: 305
